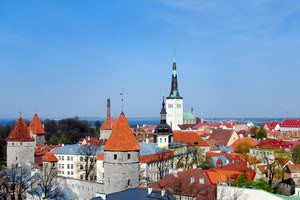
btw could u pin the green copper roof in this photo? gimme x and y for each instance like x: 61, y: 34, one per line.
x: 188, y: 116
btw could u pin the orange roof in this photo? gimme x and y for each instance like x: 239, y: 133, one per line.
x: 36, y: 126
x: 108, y: 124
x: 156, y: 157
x: 20, y: 132
x: 100, y: 156
x: 189, y: 137
x: 251, y: 141
x: 49, y: 157
x: 121, y: 138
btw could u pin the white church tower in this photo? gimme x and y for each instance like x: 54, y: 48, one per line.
x: 174, y: 103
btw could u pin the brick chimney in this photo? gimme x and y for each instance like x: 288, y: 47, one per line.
x: 108, y: 107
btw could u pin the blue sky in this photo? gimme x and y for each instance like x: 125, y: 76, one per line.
x: 234, y: 59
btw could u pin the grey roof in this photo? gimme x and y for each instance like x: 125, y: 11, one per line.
x: 136, y: 194
x: 74, y: 149
x: 150, y: 149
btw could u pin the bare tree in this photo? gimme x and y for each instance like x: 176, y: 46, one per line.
x: 88, y: 153
x: 48, y: 182
x: 163, y: 164
x: 16, y: 181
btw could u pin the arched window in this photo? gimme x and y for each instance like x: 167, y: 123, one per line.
x: 128, y: 182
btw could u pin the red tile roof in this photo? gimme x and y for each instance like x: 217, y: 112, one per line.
x: 49, y: 157
x: 291, y: 123
x: 271, y: 125
x: 156, y: 157
x: 100, y: 156
x: 181, y: 184
x: 20, y: 132
x: 223, y: 174
x: 108, y: 124
x: 192, y: 138
x: 220, y: 136
x: 36, y: 126
x: 122, y: 138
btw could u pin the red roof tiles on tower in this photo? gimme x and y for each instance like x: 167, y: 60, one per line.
x: 122, y: 138
x: 50, y: 157
x: 108, y: 124
x: 20, y: 132
x: 36, y: 126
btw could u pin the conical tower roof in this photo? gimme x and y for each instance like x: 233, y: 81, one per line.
x: 20, y: 132
x: 36, y: 126
x: 122, y: 138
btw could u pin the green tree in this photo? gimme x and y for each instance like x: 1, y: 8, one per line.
x: 242, y: 181
x: 261, y: 133
x: 261, y: 184
x: 296, y: 154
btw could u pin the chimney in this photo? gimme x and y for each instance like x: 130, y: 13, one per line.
x: 150, y: 190
x: 108, y: 107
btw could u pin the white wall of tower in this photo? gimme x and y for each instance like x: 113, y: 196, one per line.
x: 174, y: 109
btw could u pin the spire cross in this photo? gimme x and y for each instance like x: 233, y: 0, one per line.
x: 174, y: 58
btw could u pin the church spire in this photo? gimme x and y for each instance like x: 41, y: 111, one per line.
x: 163, y: 113
x: 174, y: 94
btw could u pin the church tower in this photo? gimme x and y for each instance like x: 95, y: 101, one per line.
x: 163, y: 134
x: 121, y: 158
x: 20, y: 145
x: 174, y: 103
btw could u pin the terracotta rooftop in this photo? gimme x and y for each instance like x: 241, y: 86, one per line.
x: 191, y: 138
x: 294, y: 123
x: 36, y: 126
x: 108, y: 124
x: 100, y: 156
x: 122, y: 138
x: 49, y: 157
x: 220, y: 136
x: 248, y: 140
x: 20, y: 132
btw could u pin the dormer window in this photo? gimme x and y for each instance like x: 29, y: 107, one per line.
x: 192, y: 179
x: 201, y: 180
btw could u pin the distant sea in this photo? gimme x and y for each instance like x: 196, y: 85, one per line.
x: 155, y: 121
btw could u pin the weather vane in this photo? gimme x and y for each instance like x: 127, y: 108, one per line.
x: 122, y: 99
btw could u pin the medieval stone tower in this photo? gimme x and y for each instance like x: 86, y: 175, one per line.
x: 20, y: 145
x: 37, y: 131
x: 121, y: 158
x: 174, y: 103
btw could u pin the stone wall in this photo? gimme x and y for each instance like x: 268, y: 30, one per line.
x: 84, y: 190
x: 20, y: 152
x: 121, y: 171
